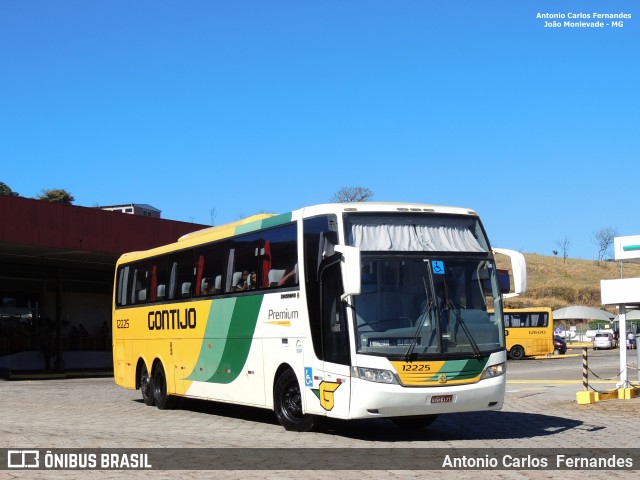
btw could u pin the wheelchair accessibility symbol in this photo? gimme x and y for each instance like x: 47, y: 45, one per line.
x: 437, y: 266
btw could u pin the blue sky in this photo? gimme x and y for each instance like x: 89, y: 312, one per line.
x: 248, y: 106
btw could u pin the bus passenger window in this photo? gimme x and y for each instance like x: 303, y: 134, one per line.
x: 290, y: 277
x: 275, y: 274
x: 161, y: 292
x: 280, y: 259
x: 140, y: 280
x: 181, y: 275
x: 210, y: 265
x: 211, y: 286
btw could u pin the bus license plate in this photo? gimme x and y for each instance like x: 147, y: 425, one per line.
x: 442, y: 399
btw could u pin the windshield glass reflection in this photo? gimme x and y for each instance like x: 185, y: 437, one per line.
x: 418, y: 307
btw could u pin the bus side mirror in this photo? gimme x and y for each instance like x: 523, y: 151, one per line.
x: 350, y: 267
x: 518, y: 269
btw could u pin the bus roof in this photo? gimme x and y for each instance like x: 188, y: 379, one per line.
x: 225, y: 230
x: 528, y: 310
x: 264, y: 220
x: 398, y: 207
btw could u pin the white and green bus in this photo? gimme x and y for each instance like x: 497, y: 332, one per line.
x: 350, y: 311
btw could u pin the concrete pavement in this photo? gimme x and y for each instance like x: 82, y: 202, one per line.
x: 95, y: 413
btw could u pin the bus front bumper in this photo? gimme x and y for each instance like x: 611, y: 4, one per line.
x: 370, y: 400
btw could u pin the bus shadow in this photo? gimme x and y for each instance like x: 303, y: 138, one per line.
x: 462, y: 426
x: 458, y: 426
x: 227, y: 410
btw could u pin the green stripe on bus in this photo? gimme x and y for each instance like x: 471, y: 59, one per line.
x: 460, y: 370
x: 277, y: 220
x: 264, y: 223
x: 627, y: 248
x: 227, y: 339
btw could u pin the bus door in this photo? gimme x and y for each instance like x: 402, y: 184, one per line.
x: 334, y: 389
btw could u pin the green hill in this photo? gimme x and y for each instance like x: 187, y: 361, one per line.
x: 555, y: 282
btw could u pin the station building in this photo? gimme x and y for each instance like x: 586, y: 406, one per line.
x: 57, y: 265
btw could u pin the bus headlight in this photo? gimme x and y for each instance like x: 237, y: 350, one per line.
x: 374, y: 375
x: 494, y: 371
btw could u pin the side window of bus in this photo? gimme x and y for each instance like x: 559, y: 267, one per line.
x: 210, y: 267
x: 543, y: 320
x: 280, y: 257
x: 181, y: 276
x: 335, y: 345
x: 242, y: 264
x: 140, y: 284
x: 160, y: 279
x: 319, y: 239
x: 122, y: 299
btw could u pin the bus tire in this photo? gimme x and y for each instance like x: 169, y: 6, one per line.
x: 516, y: 352
x: 162, y: 399
x: 414, y: 422
x: 146, y: 385
x: 287, y: 403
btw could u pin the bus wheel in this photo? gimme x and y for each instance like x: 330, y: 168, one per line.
x: 162, y: 400
x: 287, y: 400
x: 146, y: 386
x: 414, y: 422
x: 516, y: 353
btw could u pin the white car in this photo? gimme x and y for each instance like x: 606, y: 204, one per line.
x: 604, y: 340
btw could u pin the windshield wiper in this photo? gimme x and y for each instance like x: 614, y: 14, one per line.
x: 451, y: 307
x: 427, y: 314
x: 430, y: 307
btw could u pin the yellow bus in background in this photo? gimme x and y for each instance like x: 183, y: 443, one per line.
x: 529, y: 332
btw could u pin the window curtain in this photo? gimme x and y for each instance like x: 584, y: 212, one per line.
x: 414, y: 238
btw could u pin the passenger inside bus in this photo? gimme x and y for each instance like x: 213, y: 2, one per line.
x: 243, y: 282
x: 289, y: 277
x: 247, y: 281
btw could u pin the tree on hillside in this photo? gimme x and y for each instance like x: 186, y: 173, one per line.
x: 603, y: 238
x: 5, y: 190
x: 352, y: 194
x: 56, y: 195
x: 564, y: 247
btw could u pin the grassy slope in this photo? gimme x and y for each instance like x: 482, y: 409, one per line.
x: 556, y: 283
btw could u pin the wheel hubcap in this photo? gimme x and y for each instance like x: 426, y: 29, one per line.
x: 293, y: 402
x: 145, y: 385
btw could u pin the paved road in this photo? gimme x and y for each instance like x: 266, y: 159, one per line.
x: 93, y: 412
x: 603, y: 365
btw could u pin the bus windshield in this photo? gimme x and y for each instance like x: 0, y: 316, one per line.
x: 427, y: 284
x: 422, y: 307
